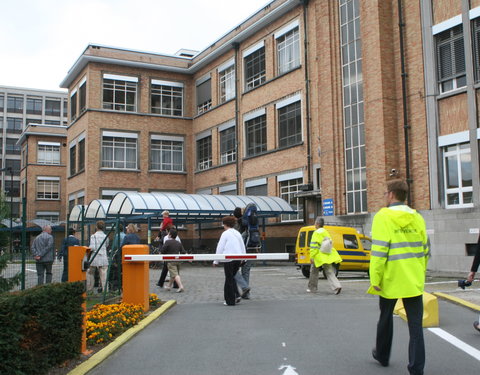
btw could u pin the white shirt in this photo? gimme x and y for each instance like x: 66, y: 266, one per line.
x: 230, y: 242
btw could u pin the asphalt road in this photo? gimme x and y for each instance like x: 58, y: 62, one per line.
x: 284, y: 330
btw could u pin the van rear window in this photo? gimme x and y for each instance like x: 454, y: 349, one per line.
x: 303, y: 236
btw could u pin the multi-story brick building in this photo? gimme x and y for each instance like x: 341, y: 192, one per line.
x: 23, y: 111
x: 314, y: 101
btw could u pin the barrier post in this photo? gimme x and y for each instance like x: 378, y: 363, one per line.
x: 77, y: 273
x: 135, y: 278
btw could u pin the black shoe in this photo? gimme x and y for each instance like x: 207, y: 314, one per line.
x: 245, y: 292
x: 476, y: 325
x: 374, y: 355
x: 238, y: 299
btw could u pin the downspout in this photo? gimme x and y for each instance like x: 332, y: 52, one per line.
x: 236, y: 47
x: 307, y: 92
x: 406, y: 126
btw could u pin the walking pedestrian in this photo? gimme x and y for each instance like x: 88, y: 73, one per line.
x: 98, y: 244
x: 230, y: 243
x: 171, y: 246
x: 471, y: 276
x: 131, y: 238
x: 70, y: 240
x: 163, y: 274
x: 319, y: 257
x: 43, y: 252
x: 398, y: 264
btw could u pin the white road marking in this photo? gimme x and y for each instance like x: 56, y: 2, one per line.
x: 289, y: 370
x: 475, y: 353
x: 284, y: 345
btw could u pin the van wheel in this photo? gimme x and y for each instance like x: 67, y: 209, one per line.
x: 337, y: 266
x: 306, y: 271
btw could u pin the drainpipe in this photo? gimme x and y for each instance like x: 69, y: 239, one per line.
x: 236, y: 47
x: 406, y: 126
x: 307, y: 91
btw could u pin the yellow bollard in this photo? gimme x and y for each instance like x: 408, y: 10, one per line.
x: 431, y: 316
x: 135, y: 278
x: 77, y: 273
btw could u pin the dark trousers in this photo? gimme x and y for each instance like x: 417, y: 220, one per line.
x: 230, y: 290
x: 44, y: 272
x: 416, y: 347
x: 65, y: 270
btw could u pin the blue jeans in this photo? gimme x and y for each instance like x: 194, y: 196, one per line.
x: 42, y: 268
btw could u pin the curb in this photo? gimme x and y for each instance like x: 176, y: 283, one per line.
x: 103, y: 354
x: 458, y: 301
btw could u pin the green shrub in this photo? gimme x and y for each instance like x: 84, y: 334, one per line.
x: 41, y: 327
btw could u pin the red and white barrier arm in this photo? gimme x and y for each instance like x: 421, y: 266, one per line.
x: 203, y: 257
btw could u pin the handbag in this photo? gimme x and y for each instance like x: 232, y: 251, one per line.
x: 326, y: 246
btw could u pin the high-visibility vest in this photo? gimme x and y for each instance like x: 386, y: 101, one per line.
x: 400, y: 250
x: 315, y: 253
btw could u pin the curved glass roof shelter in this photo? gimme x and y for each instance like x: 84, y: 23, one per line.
x: 186, y: 208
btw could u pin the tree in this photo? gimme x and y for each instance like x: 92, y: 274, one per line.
x: 6, y: 283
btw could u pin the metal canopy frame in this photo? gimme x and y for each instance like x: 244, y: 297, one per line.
x: 184, y: 208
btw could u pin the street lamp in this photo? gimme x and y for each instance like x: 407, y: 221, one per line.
x: 10, y: 170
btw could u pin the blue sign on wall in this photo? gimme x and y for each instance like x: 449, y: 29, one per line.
x: 328, y: 207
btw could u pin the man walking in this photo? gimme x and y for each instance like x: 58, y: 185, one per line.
x: 398, y: 264
x: 43, y: 252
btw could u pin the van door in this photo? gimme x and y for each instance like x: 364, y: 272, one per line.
x: 353, y: 254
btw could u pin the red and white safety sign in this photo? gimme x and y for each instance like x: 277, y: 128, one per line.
x: 203, y: 257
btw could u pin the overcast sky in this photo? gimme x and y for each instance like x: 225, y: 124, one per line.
x: 40, y: 40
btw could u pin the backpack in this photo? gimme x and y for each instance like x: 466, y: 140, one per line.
x: 250, y: 221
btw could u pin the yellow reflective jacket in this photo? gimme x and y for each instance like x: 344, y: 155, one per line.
x: 315, y: 253
x: 400, y: 251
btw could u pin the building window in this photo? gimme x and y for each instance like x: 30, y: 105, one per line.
x: 255, y: 69
x: 290, y: 125
x: 228, y: 150
x: 14, y: 125
x: 81, y: 155
x: 82, y: 92
x: 119, y: 150
x: 52, y: 217
x: 204, y: 153
x: 48, y: 188
x: 166, y: 153
x: 11, y: 147
x: 73, y: 158
x: 15, y: 104
x: 73, y: 106
x: 167, y: 98
x: 258, y: 190
x: 288, y: 51
x: 52, y: 107
x: 228, y: 189
x: 353, y: 105
x: 119, y: 93
x: 451, y: 59
x: 204, y: 95
x: 457, y: 164
x: 2, y: 98
x: 288, y: 191
x: 14, y: 164
x: 256, y: 135
x: 48, y: 153
x: 34, y: 106
x: 226, y: 78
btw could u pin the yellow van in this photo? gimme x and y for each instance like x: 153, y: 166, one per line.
x: 353, y: 247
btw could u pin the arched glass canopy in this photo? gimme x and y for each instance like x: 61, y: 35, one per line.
x: 187, y: 208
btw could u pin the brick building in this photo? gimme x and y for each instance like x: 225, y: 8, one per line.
x: 314, y: 101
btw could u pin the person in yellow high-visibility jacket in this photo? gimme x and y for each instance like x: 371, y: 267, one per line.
x: 320, y: 259
x: 398, y: 264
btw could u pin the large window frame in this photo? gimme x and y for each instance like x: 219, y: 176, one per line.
x: 226, y: 81
x: 288, y: 188
x: 14, y: 104
x: 288, y: 48
x: 48, y: 188
x: 166, y: 98
x: 119, y: 150
x: 14, y: 125
x: 204, y: 94
x: 34, y: 106
x: 289, y: 122
x: 457, y: 166
x: 52, y: 107
x: 204, y: 152
x: 48, y: 153
x: 167, y: 153
x: 256, y: 135
x: 451, y: 67
x: 120, y: 93
x: 254, y: 66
